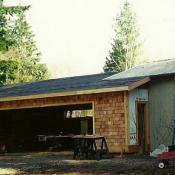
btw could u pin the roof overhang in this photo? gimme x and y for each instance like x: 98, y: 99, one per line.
x: 80, y: 92
x: 138, y: 83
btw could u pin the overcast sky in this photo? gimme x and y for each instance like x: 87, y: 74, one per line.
x: 74, y: 36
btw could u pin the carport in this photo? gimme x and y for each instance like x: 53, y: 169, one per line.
x: 88, y: 104
x: 19, y: 127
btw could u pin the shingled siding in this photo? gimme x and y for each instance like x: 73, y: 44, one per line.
x: 109, y: 115
x: 110, y: 119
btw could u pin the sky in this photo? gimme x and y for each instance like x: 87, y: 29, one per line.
x: 74, y: 36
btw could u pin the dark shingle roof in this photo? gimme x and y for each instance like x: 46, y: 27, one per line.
x: 78, y: 83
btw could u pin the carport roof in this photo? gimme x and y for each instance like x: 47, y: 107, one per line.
x: 87, y: 84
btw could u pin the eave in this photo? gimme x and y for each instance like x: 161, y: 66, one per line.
x: 79, y: 92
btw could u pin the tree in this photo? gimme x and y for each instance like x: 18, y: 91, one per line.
x: 8, y: 71
x: 126, y: 46
x: 17, y: 48
x: 7, y: 15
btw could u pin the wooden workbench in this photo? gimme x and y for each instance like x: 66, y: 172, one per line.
x: 89, y: 146
x: 85, y: 146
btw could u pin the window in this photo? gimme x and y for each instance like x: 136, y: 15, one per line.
x: 78, y: 113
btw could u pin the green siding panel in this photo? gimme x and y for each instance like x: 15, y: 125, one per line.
x: 162, y: 110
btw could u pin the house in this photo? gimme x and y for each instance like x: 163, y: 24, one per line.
x: 161, y: 100
x: 133, y: 110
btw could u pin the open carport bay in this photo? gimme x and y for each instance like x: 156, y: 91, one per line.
x: 19, y: 127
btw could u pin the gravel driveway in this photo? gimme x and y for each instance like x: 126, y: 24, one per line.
x: 62, y: 163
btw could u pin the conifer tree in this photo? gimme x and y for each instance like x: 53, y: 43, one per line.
x: 126, y: 45
x: 19, y: 56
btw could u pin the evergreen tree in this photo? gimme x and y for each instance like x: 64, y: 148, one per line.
x: 17, y: 48
x: 126, y: 46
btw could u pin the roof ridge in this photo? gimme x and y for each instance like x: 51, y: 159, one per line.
x: 153, y: 61
x: 55, y: 79
x: 78, y: 76
x: 162, y: 60
x: 149, y: 62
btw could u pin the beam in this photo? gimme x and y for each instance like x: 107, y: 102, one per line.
x: 138, y: 83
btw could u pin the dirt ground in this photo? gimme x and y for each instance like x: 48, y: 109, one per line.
x: 62, y: 163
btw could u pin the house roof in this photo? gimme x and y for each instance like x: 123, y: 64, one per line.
x: 65, y: 86
x: 156, y: 68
